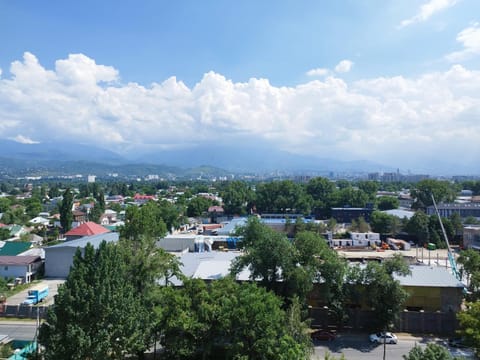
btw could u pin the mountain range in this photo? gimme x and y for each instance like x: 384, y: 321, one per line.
x: 67, y: 157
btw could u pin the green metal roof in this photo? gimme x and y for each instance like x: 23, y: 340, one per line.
x: 12, y: 248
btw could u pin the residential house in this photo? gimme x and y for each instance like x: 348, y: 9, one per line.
x: 86, y: 229
x: 22, y: 268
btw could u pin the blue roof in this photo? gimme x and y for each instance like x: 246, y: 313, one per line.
x: 95, y: 240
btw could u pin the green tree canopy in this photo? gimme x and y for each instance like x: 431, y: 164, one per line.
x: 431, y: 352
x: 66, y: 215
x: 230, y: 321
x: 387, y: 203
x: 236, y: 196
x: 470, y: 325
x: 97, y: 313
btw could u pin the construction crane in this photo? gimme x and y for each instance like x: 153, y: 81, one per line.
x: 451, y: 257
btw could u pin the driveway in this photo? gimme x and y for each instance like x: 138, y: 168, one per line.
x: 52, y: 291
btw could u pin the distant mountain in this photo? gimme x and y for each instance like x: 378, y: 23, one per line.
x: 61, y: 151
x: 255, y: 159
x: 211, y: 160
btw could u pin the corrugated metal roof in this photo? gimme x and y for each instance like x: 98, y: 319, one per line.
x: 95, y: 240
x: 12, y: 248
x: 18, y: 260
x: 429, y: 276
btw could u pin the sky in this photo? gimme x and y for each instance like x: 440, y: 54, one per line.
x: 394, y: 82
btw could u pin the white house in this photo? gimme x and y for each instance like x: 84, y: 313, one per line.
x: 19, y: 267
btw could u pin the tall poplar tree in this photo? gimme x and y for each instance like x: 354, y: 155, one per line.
x: 66, y: 215
x: 96, y: 314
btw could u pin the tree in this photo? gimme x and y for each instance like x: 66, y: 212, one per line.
x: 4, y: 233
x: 97, y: 314
x: 422, y: 193
x: 369, y: 187
x: 418, y: 226
x: 230, y: 321
x: 66, y: 207
x: 470, y: 325
x: 235, y: 197
x: 33, y: 207
x: 268, y: 255
x: 470, y: 267
x: 360, y: 225
x: 387, y: 203
x: 431, y: 352
x: 384, y: 223
x: 198, y: 206
x: 383, y: 293
x: 282, y: 197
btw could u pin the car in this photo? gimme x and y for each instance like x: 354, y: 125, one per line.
x: 323, y: 335
x: 380, y: 337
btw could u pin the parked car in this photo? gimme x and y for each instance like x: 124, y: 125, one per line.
x: 323, y: 335
x: 388, y: 337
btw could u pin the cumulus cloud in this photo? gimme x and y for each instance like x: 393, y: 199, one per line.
x: 344, y: 66
x: 318, y: 72
x: 24, y: 139
x: 470, y: 40
x: 387, y: 119
x: 427, y: 10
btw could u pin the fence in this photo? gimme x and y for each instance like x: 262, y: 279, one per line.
x: 421, y: 322
x: 24, y: 311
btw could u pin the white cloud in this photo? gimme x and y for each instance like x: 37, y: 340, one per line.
x: 387, y: 119
x: 427, y: 10
x: 344, y: 66
x: 24, y: 139
x: 470, y: 40
x: 318, y: 72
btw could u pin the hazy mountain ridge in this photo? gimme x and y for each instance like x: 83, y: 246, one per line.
x: 218, y: 160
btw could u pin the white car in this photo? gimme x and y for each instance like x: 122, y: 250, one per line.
x: 388, y: 337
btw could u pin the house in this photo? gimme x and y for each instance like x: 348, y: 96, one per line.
x: 59, y: 258
x: 12, y: 248
x: 86, y: 229
x: 214, y: 212
x: 79, y: 216
x: 108, y: 217
x: 39, y: 220
x: 19, y: 267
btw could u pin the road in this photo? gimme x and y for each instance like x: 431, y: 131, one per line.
x: 358, y: 347
x: 18, y: 330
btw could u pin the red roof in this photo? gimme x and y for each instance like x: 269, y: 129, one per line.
x: 215, y: 209
x: 87, y: 229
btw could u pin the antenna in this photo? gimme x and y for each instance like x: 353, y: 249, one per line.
x: 451, y: 258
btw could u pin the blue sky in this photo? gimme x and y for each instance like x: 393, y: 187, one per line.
x: 384, y: 77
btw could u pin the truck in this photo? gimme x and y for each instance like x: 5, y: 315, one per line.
x: 36, y: 295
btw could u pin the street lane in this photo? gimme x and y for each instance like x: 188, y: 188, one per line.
x: 18, y: 330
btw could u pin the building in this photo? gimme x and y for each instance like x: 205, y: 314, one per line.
x: 448, y: 209
x: 59, y: 258
x: 471, y: 237
x: 86, y: 229
x: 347, y: 214
x: 19, y: 268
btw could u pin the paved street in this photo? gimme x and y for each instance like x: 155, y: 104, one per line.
x: 18, y: 330
x: 358, y: 347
